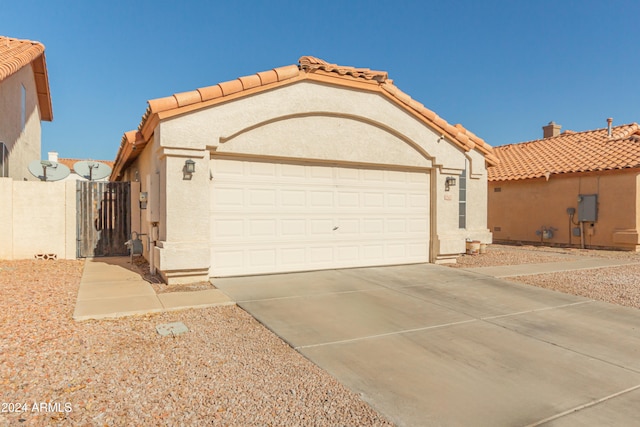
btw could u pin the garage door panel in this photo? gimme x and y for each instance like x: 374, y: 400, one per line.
x: 348, y: 254
x: 262, y: 169
x: 292, y: 171
x: 230, y: 260
x: 321, y: 227
x: 373, y: 253
x: 263, y: 227
x: 262, y: 257
x: 373, y: 175
x: 293, y: 256
x: 373, y: 200
x: 348, y: 199
x: 373, y: 226
x: 262, y: 197
x: 322, y: 199
x: 398, y: 225
x: 396, y: 251
x: 418, y: 201
x: 293, y: 197
x: 347, y: 176
x: 228, y: 228
x: 348, y: 226
x: 418, y: 225
x: 397, y: 200
x: 293, y: 227
x: 271, y: 217
x: 229, y: 197
x: 321, y: 173
x: 321, y: 255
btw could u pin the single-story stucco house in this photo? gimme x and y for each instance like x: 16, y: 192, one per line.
x: 578, y: 189
x: 302, y: 167
x: 25, y: 101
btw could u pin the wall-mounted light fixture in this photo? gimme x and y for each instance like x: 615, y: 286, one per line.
x: 189, y: 169
x: 449, y: 182
x: 189, y: 166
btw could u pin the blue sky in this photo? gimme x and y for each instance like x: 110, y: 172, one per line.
x: 501, y: 68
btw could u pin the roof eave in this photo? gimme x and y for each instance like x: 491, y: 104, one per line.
x: 39, y: 66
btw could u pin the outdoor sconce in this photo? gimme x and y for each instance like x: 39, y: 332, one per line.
x: 449, y: 182
x: 190, y: 166
x: 189, y: 169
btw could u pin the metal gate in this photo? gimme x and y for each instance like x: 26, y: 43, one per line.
x: 104, y: 219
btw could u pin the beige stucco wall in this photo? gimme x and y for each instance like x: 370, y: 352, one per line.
x: 23, y: 144
x: 305, y: 120
x: 37, y: 218
x: 522, y: 207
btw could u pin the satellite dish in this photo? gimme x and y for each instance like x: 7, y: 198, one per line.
x: 46, y: 170
x: 92, y: 170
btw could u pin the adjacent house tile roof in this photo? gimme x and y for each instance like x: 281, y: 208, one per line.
x: 569, y: 152
x: 70, y: 162
x: 15, y: 54
x: 308, y: 68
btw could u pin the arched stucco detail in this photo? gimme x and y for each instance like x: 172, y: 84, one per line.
x: 327, y: 136
x: 205, y: 127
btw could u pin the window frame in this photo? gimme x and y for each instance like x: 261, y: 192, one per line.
x: 462, y: 198
x: 4, y: 160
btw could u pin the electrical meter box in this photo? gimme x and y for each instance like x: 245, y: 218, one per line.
x: 588, y: 207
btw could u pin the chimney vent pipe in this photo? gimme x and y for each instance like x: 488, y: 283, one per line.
x: 609, y: 125
x: 550, y: 130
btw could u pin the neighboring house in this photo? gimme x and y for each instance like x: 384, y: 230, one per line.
x: 570, y: 188
x: 302, y: 167
x: 24, y: 102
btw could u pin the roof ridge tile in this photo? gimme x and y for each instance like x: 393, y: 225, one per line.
x: 307, y: 67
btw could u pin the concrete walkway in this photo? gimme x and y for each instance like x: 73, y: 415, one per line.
x: 109, y: 288
x: 576, y: 263
x: 431, y: 345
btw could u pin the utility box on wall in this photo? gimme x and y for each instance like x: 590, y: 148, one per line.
x: 588, y: 207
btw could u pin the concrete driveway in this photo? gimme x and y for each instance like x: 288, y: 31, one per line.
x: 430, y: 345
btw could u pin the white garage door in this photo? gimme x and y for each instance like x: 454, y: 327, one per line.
x: 278, y: 217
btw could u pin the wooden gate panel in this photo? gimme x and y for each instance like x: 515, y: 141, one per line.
x: 104, y: 221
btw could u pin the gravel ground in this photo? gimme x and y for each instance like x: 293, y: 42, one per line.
x: 617, y: 285
x: 504, y: 255
x: 227, y: 370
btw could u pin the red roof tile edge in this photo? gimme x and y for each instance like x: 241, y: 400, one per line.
x: 71, y: 162
x: 20, y: 53
x: 308, y: 65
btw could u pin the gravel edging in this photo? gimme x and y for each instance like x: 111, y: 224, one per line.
x: 227, y: 370
x: 617, y: 285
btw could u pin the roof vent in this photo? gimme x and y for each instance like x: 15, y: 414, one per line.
x: 550, y: 130
x: 52, y: 156
x: 609, y: 125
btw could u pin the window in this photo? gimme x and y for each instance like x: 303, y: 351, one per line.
x: 4, y: 160
x: 462, y: 204
x: 23, y: 107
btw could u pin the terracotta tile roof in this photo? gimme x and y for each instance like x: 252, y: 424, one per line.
x: 15, y: 54
x: 70, y: 162
x: 308, y: 68
x: 569, y: 152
